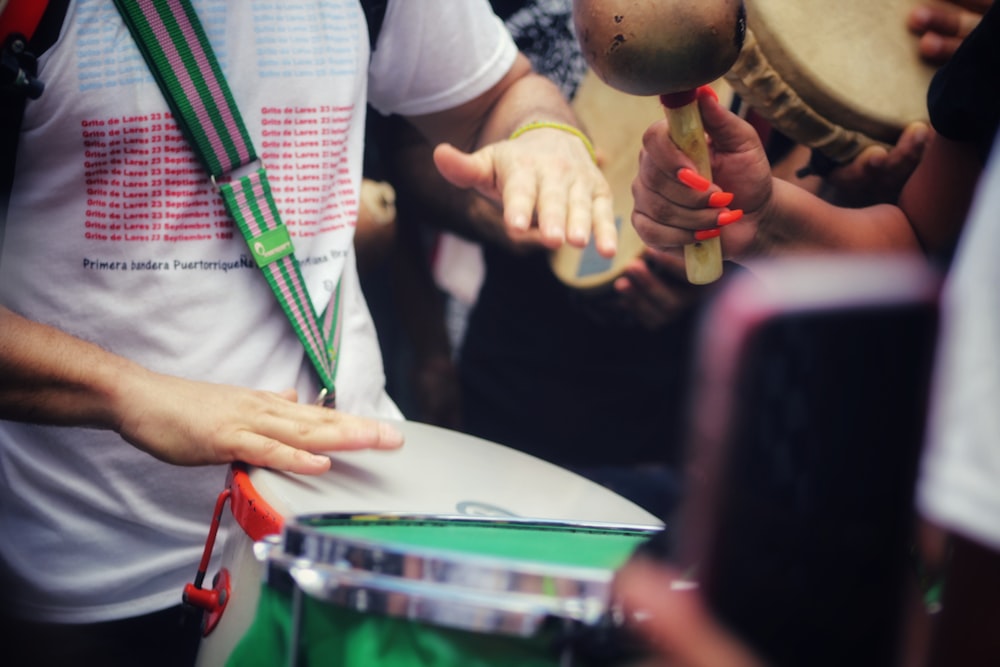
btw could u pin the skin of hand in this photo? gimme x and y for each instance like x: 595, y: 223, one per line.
x: 675, y: 622
x: 427, y: 198
x: 667, y: 213
x: 547, y: 170
x: 942, y: 26
x: 47, y: 376
x: 779, y: 217
x: 545, y: 178
x: 875, y: 176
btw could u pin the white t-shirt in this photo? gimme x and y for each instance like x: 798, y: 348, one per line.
x: 959, y: 487
x: 114, y: 235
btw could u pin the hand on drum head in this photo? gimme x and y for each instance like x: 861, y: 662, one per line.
x: 544, y: 178
x: 875, y: 176
x: 943, y: 26
x: 670, y: 208
x: 674, y: 620
x: 196, y: 423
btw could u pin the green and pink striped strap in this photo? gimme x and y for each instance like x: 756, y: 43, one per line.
x: 178, y: 54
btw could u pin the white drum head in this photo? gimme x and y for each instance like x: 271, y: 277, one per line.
x: 444, y: 472
x: 853, y: 61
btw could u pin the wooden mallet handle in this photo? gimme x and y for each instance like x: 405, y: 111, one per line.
x: 667, y: 48
x: 702, y: 259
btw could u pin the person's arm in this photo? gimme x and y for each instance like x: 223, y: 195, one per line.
x: 937, y: 197
x: 50, y: 377
x: 929, y: 214
x: 545, y: 175
x: 874, y: 176
x: 795, y: 220
x: 780, y: 217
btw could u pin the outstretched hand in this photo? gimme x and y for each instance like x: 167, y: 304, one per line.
x: 545, y: 179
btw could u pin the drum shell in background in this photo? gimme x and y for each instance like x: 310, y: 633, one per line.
x: 837, y: 77
x: 437, y: 472
x: 359, y: 590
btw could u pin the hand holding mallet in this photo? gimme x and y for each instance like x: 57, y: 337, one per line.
x: 667, y: 48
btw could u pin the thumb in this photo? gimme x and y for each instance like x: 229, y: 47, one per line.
x: 466, y: 170
x: 727, y: 130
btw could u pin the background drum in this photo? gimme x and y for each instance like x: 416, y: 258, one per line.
x: 437, y: 472
x: 837, y: 77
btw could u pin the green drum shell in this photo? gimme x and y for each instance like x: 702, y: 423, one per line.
x: 414, y: 590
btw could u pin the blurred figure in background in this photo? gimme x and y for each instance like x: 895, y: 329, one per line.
x: 959, y: 492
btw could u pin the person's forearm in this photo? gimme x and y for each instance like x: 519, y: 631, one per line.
x: 932, y: 207
x: 799, y: 221
x: 521, y: 96
x: 937, y: 197
x: 531, y: 98
x: 50, y: 377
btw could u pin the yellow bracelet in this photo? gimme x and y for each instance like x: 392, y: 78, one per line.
x: 538, y: 124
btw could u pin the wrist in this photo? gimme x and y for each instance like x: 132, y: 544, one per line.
x: 775, y: 229
x: 123, y: 389
x: 555, y: 125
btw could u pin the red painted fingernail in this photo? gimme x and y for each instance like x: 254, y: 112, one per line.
x: 729, y: 217
x: 720, y: 199
x: 705, y: 234
x: 709, y: 91
x: 693, y: 179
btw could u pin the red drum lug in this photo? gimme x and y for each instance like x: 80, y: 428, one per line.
x: 256, y: 517
x: 212, y: 601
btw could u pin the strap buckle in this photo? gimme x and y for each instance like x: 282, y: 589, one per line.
x: 326, y: 398
x: 236, y: 173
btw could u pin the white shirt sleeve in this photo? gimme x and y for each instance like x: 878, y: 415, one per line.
x: 959, y: 486
x: 437, y: 54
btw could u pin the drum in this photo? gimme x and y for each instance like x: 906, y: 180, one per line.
x: 436, y: 473
x: 411, y: 590
x: 837, y: 77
